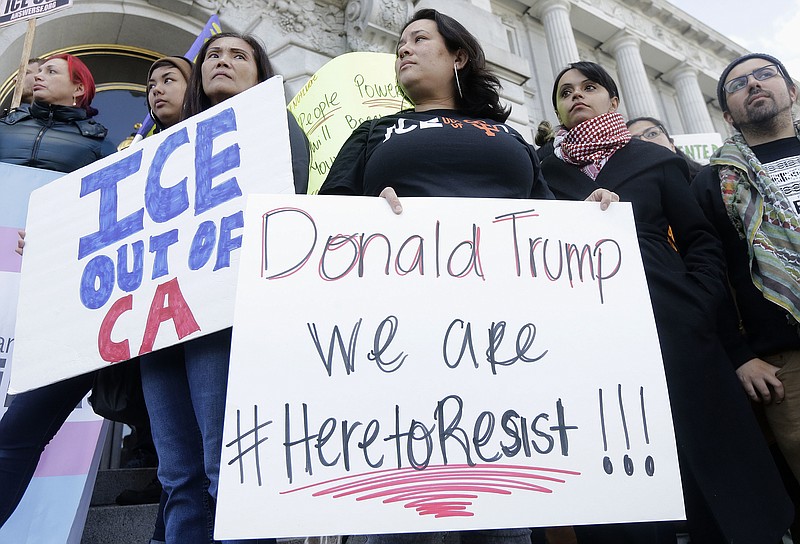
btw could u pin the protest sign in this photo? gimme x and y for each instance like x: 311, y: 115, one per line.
x: 470, y: 363
x: 699, y: 147
x: 55, y: 503
x: 139, y: 250
x: 341, y: 95
x: 19, y: 10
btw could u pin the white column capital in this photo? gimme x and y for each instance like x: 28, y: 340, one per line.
x: 634, y: 83
x: 546, y: 6
x: 561, y: 45
x: 691, y: 103
x: 681, y: 72
x: 621, y: 40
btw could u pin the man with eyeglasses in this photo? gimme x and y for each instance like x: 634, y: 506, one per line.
x: 751, y: 193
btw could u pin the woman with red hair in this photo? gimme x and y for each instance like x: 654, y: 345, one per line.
x: 58, y: 133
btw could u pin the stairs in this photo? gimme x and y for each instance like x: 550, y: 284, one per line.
x: 109, y: 523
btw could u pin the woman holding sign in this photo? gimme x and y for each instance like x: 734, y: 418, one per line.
x: 732, y: 490
x: 56, y: 132
x: 185, y: 385
x: 453, y: 143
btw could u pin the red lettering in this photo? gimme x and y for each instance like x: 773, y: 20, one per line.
x: 111, y: 351
x: 168, y: 303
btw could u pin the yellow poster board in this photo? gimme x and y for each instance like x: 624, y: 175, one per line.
x: 347, y: 91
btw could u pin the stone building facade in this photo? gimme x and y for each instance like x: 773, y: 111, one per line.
x: 665, y: 61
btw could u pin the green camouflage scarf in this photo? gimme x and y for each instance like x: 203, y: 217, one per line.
x: 764, y: 217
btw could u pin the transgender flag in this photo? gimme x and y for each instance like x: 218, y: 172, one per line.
x: 55, y: 504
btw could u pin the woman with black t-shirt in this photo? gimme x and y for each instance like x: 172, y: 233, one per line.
x: 453, y: 143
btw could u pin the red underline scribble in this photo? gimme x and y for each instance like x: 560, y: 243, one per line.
x: 443, y: 491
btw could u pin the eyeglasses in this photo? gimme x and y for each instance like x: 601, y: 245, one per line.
x: 759, y: 74
x: 651, y: 133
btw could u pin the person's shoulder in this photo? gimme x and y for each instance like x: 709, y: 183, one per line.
x: 707, y: 177
x: 649, y: 154
x: 14, y: 116
x: 91, y: 128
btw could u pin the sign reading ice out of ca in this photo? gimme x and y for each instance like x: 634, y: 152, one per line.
x: 341, y: 95
x: 139, y: 250
x: 468, y: 364
x: 19, y: 10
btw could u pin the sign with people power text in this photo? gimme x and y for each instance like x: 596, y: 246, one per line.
x: 348, y: 90
x: 139, y: 250
x: 15, y: 11
x: 468, y: 364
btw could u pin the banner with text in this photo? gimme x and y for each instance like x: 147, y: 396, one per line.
x: 347, y: 91
x: 471, y: 363
x: 15, y: 11
x: 699, y: 147
x: 139, y: 250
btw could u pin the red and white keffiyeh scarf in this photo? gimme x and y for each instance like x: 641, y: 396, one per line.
x: 590, y: 144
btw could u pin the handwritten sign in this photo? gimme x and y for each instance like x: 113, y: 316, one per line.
x: 341, y: 95
x: 699, y: 147
x: 471, y: 363
x: 139, y: 251
x: 19, y: 10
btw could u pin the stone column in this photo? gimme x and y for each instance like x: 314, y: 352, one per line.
x: 691, y: 103
x: 558, y: 30
x: 633, y: 82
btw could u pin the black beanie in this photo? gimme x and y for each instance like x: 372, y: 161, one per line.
x: 721, y: 93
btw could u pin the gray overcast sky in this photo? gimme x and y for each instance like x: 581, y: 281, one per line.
x: 761, y: 26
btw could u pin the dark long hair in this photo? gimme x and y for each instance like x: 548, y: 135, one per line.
x: 591, y: 71
x: 196, y: 98
x: 481, y: 89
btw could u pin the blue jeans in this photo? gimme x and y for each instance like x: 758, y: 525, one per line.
x: 31, y: 421
x: 184, y: 388
x: 491, y: 536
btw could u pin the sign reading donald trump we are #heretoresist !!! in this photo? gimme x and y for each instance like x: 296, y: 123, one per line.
x: 470, y: 363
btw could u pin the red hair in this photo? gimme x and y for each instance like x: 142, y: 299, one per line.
x: 79, y: 73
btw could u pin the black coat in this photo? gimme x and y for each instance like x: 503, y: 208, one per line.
x: 721, y: 449
x: 60, y: 138
x: 767, y: 331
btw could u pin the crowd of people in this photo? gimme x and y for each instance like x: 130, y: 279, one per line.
x: 719, y: 245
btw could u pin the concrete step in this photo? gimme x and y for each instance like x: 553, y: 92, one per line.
x: 112, y: 482
x: 120, y: 524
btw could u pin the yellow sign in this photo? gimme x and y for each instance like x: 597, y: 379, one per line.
x: 347, y: 91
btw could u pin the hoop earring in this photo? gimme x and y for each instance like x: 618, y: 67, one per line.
x: 458, y: 83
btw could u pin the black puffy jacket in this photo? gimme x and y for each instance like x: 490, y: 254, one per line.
x: 60, y: 138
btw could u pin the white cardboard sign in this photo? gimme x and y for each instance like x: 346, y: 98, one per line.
x: 139, y: 251
x: 471, y: 363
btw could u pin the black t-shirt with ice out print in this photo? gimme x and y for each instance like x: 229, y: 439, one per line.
x: 437, y: 153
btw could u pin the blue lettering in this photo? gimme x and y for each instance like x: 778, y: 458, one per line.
x: 106, y: 181
x: 208, y: 166
x: 159, y: 245
x: 97, y: 282
x: 164, y: 203
x: 226, y: 243
x: 130, y: 280
x: 202, y: 245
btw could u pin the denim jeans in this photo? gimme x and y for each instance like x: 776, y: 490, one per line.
x: 491, y: 536
x: 184, y: 388
x: 31, y: 421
